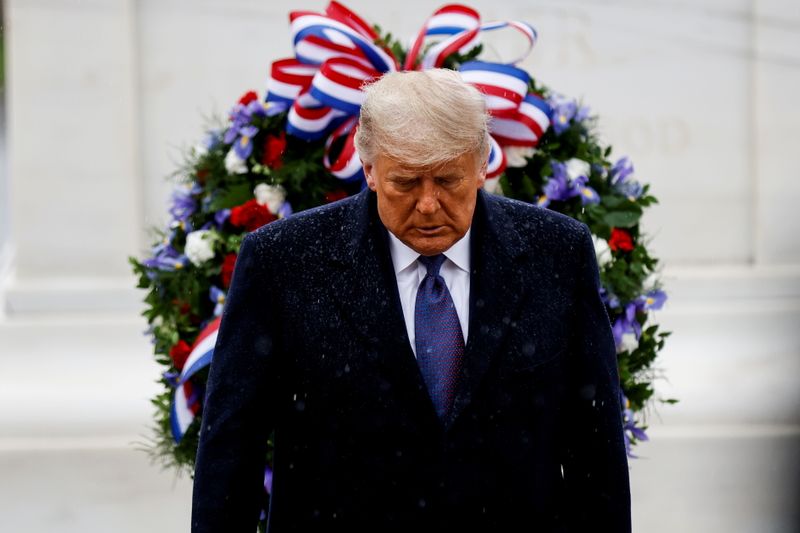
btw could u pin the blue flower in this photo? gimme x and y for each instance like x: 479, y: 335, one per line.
x: 629, y: 425
x: 621, y: 179
x: 558, y: 186
x: 217, y: 296
x: 165, y: 257
x: 183, y: 203
x: 653, y: 300
x: 275, y: 108
x: 568, y: 180
x: 221, y: 216
x: 588, y: 194
x: 244, y: 144
x: 581, y: 114
x: 609, y: 298
x: 563, y: 112
x: 626, y: 323
x: 241, y: 115
x: 566, y: 111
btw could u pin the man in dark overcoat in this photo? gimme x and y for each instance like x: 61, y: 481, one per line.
x: 429, y: 356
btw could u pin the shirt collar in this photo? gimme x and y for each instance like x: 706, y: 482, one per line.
x: 403, y: 256
x: 459, y: 252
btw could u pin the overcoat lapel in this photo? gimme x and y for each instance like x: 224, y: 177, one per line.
x: 496, y: 290
x: 371, y: 302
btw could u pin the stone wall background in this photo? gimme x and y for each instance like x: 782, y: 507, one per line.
x: 101, y: 97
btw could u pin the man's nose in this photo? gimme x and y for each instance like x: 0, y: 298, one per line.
x: 428, y: 199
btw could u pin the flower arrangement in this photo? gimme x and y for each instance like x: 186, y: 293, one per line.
x: 293, y: 150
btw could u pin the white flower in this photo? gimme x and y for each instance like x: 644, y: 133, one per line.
x: 577, y: 167
x: 492, y: 185
x: 199, y: 247
x: 272, y: 196
x: 235, y: 164
x: 628, y: 343
x: 515, y: 155
x: 601, y: 250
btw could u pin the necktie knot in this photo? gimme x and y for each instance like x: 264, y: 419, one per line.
x: 433, y: 263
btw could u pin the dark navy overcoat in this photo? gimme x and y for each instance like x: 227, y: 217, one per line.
x: 313, y: 345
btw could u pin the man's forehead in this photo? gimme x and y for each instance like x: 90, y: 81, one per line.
x: 461, y: 163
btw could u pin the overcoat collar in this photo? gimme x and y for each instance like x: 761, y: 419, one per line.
x: 371, y: 300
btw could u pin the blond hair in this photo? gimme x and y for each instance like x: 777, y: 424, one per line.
x: 422, y: 118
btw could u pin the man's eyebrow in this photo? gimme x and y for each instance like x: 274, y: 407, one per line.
x: 399, y: 174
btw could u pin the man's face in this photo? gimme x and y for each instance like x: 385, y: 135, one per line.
x: 428, y: 209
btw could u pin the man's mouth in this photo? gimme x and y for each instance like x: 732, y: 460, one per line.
x: 429, y: 230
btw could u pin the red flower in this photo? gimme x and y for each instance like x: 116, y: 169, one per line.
x: 620, y: 240
x: 183, y: 307
x: 251, y: 215
x: 227, y: 269
x: 248, y: 97
x: 332, y: 196
x: 179, y: 353
x: 274, y: 146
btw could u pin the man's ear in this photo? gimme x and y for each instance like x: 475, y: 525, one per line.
x: 368, y: 174
x: 482, y: 173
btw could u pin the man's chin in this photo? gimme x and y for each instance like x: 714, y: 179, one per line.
x: 430, y: 245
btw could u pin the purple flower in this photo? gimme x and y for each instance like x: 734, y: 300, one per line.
x: 588, y: 195
x: 268, y: 479
x: 621, y: 179
x: 217, y: 296
x: 221, y: 216
x: 621, y: 170
x: 244, y: 144
x: 609, y: 298
x: 563, y: 112
x: 629, y: 425
x: 276, y: 108
x: 558, y: 186
x: 653, y: 300
x: 165, y: 257
x: 566, y: 111
x: 582, y: 113
x: 631, y: 189
x: 562, y: 187
x: 626, y: 323
x: 183, y: 204
x: 185, y: 225
x: 285, y: 210
x: 241, y: 116
x: 172, y: 378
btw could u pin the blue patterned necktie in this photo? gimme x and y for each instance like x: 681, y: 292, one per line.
x: 438, y: 336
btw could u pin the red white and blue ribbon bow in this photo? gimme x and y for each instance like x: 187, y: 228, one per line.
x: 187, y: 400
x: 336, y: 53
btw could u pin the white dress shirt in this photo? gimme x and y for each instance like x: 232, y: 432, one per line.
x: 410, y: 273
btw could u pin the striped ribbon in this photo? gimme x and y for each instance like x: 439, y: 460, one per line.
x: 336, y: 54
x: 187, y: 399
